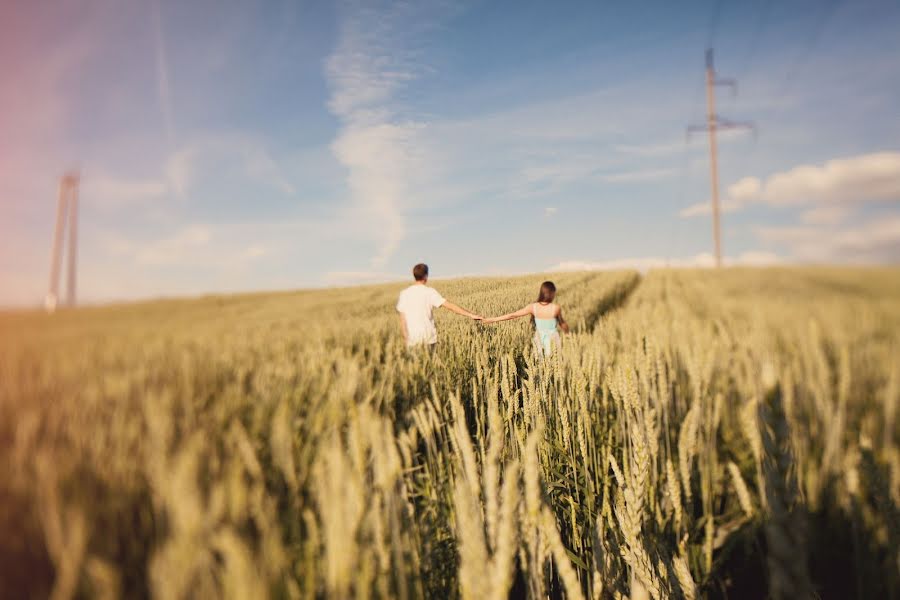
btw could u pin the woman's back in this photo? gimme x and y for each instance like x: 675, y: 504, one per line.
x: 545, y: 323
x: 545, y: 312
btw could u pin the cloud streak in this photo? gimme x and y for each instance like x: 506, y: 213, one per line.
x: 645, y: 263
x: 162, y: 74
x: 373, y: 62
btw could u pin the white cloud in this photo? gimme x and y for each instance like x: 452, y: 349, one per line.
x: 875, y: 241
x: 744, y: 190
x: 550, y: 211
x: 839, y: 182
x: 702, y: 260
x: 869, y: 177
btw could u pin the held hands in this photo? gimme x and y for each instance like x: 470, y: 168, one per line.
x: 483, y: 320
x: 480, y: 320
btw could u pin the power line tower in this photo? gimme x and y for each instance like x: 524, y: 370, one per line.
x: 713, y: 124
x: 66, y: 215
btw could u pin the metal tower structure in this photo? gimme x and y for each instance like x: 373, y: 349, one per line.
x: 66, y: 218
x: 715, y: 123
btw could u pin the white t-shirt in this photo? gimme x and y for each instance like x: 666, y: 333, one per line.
x: 416, y: 304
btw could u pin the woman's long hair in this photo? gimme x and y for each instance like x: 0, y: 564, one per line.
x: 547, y: 294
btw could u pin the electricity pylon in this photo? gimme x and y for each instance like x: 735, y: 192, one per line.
x: 713, y: 124
x: 66, y: 215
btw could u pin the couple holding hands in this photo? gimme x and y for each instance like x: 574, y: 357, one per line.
x: 417, y: 302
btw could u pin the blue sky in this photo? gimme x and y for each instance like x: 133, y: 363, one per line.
x: 229, y: 146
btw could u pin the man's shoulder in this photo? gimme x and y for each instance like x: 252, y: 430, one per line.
x: 410, y: 291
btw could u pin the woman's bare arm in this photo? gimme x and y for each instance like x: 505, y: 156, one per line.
x: 562, y: 322
x: 522, y: 312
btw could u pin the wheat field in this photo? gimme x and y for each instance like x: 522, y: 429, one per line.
x: 700, y: 434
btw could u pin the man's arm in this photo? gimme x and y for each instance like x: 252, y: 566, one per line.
x: 460, y: 311
x: 403, y: 327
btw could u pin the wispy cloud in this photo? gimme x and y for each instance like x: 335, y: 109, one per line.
x: 220, y: 155
x: 639, y: 175
x: 668, y: 147
x: 829, y: 214
x: 375, y: 58
x: 176, y: 249
x: 552, y: 176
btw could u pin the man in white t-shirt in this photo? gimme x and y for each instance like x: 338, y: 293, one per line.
x: 415, y: 306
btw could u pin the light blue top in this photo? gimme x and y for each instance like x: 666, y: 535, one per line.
x: 545, y: 331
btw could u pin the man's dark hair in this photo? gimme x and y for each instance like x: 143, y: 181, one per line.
x: 420, y: 271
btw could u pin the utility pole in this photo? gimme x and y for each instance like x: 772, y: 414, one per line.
x: 66, y: 214
x: 713, y: 124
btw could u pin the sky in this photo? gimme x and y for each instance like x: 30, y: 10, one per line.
x: 253, y: 145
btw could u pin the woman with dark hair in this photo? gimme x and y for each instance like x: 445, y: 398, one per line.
x: 546, y: 316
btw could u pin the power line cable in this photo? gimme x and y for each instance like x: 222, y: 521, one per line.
x: 794, y: 70
x: 762, y: 19
x: 714, y: 23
